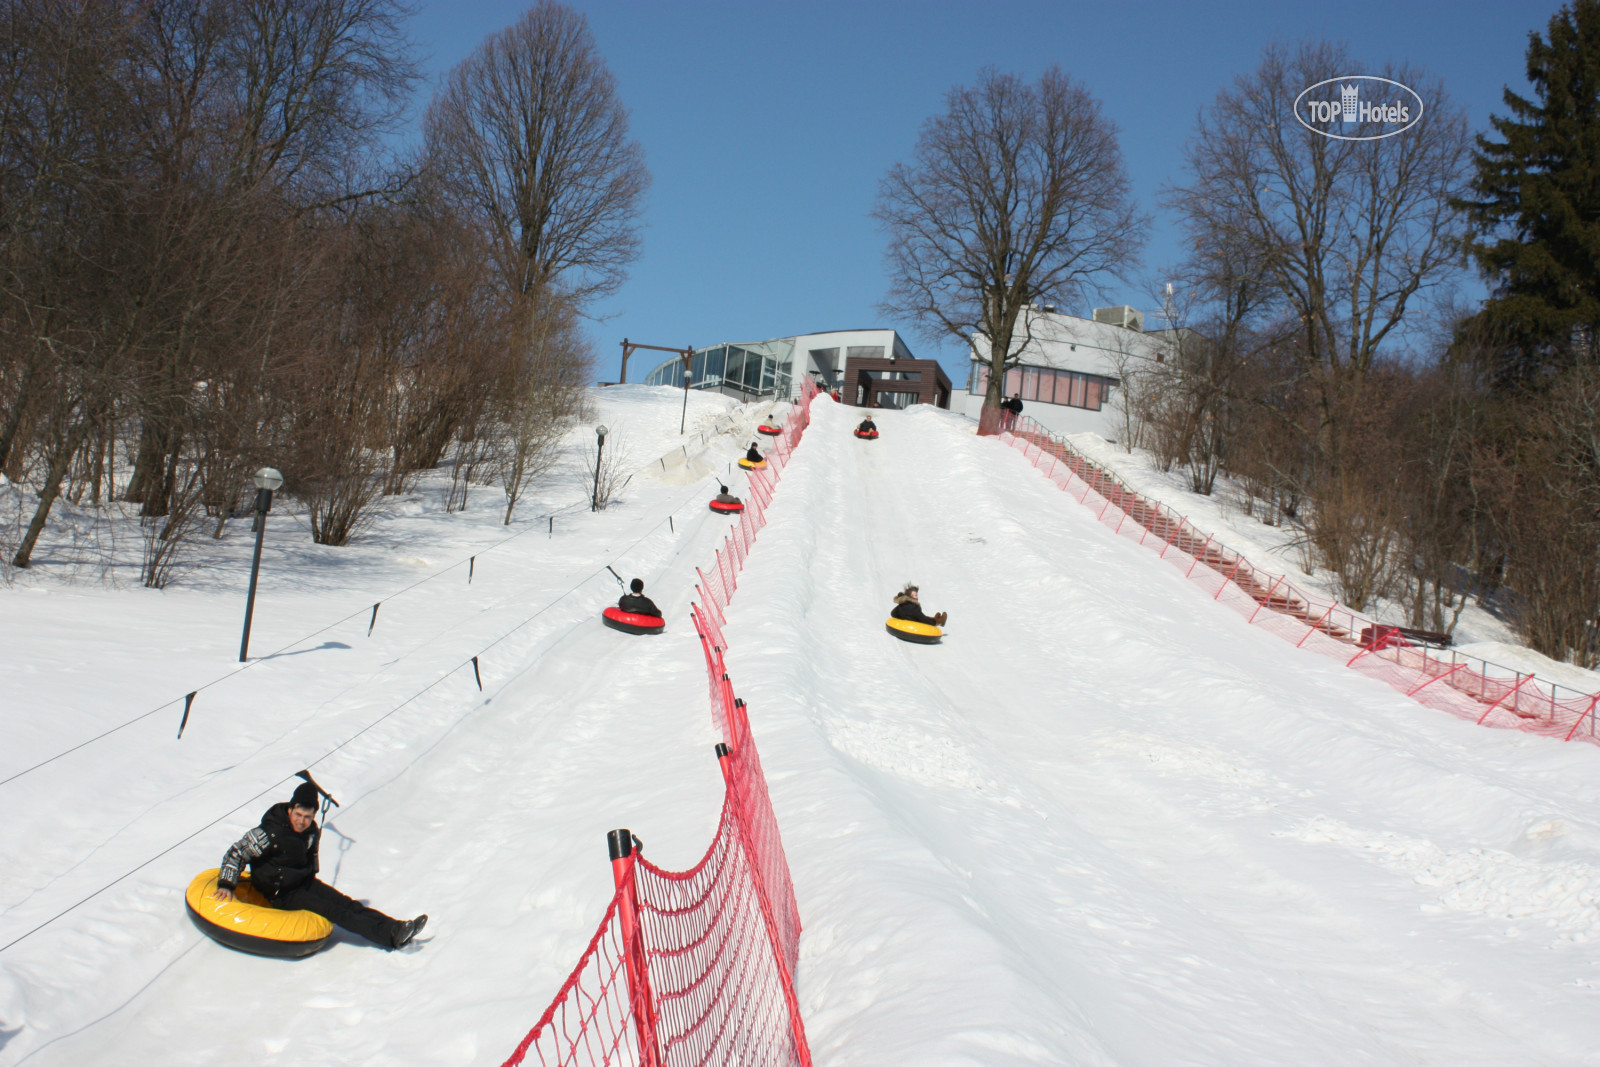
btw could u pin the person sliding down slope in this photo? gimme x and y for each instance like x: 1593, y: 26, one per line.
x: 907, y: 607
x: 282, y: 854
x: 636, y: 603
x: 724, y: 497
x: 752, y: 455
x: 867, y: 426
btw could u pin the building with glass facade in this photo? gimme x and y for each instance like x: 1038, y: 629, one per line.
x: 1070, y: 368
x: 773, y: 369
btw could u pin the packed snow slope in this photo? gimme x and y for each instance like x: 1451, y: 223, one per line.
x: 1104, y: 822
x: 1107, y: 822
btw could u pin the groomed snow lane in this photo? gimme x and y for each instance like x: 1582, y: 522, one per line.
x: 1106, y: 821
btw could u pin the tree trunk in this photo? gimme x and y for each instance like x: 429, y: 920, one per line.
x: 48, y: 494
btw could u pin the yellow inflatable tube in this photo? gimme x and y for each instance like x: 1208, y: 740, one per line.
x: 744, y: 461
x: 249, y: 923
x: 919, y: 632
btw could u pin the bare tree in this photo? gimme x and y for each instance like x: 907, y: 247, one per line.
x: 1349, y: 234
x: 534, y: 405
x: 1017, y: 192
x: 530, y: 132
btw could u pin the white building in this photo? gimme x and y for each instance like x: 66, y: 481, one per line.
x: 1071, y: 370
x: 750, y: 369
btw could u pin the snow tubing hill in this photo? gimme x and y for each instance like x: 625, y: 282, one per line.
x: 249, y: 924
x: 916, y: 632
x: 747, y: 465
x: 770, y: 431
x: 629, y: 623
x: 726, y: 509
x: 870, y: 435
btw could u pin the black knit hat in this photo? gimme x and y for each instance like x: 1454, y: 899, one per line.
x: 305, y: 796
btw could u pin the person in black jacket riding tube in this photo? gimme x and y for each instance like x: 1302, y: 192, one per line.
x: 282, y: 854
x: 636, y: 602
x: 751, y: 454
x: 867, y: 426
x: 907, y: 607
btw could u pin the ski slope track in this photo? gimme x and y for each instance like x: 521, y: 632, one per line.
x: 1105, y: 821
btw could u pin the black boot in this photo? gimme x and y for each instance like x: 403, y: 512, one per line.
x: 405, y: 931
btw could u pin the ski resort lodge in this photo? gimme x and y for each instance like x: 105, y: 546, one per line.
x: 1072, y: 368
x: 867, y: 368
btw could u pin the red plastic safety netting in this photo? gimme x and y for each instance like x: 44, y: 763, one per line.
x: 1463, y: 685
x: 697, y: 968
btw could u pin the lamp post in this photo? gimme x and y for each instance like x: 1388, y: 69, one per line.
x: 687, y: 357
x: 599, y: 450
x: 267, y: 479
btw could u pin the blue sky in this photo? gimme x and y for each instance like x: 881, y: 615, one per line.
x: 768, y: 126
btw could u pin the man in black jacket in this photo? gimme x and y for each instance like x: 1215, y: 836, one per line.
x: 636, y: 602
x: 751, y: 454
x: 1012, y: 409
x: 282, y: 854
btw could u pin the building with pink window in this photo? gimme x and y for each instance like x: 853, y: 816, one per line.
x: 1070, y: 371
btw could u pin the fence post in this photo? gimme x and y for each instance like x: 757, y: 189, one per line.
x: 620, y: 843
x: 1231, y: 575
x: 1203, y: 549
x: 1263, y: 601
x: 1312, y: 628
x: 1511, y: 693
x: 1586, y: 715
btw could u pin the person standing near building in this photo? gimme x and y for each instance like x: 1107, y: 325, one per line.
x: 1010, y: 411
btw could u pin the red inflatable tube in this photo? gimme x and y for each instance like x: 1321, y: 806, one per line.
x: 629, y: 623
x: 770, y: 431
x: 870, y: 435
x: 726, y: 509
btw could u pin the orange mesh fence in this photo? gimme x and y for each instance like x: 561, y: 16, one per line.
x: 1465, y: 686
x: 697, y: 968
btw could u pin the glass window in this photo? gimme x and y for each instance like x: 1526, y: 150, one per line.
x: 1095, y: 394
x: 980, y: 379
x: 1013, y: 381
x: 714, y: 362
x: 865, y: 352
x: 896, y: 400
x: 1030, y: 383
x: 825, y: 359
x: 1047, y: 386
x: 905, y: 375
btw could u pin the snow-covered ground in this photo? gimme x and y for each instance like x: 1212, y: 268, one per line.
x: 1281, y: 549
x: 1106, y: 821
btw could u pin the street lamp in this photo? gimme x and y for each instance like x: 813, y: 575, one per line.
x: 599, y: 450
x: 687, y: 378
x: 267, y: 479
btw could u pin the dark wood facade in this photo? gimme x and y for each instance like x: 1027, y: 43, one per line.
x: 891, y: 383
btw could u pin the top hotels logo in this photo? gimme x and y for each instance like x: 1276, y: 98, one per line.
x: 1358, y: 107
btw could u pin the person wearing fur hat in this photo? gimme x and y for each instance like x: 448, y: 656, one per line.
x: 282, y: 854
x: 752, y: 454
x: 907, y: 607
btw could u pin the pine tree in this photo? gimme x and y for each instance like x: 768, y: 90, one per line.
x: 1537, y: 211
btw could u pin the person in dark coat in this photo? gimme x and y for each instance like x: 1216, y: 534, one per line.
x: 1012, y: 410
x: 282, y: 854
x: 867, y: 426
x: 752, y: 455
x: 723, y: 497
x: 635, y: 602
x: 907, y: 607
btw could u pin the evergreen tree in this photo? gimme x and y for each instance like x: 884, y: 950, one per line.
x: 1537, y: 210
